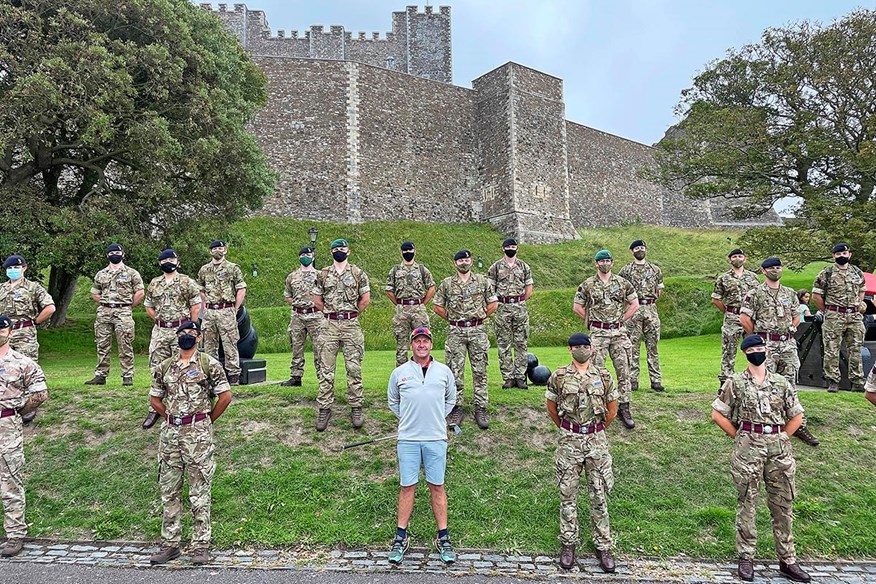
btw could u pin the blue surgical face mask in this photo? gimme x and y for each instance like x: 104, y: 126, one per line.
x: 14, y: 273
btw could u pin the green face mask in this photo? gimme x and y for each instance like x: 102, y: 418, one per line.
x: 581, y: 355
x: 305, y: 260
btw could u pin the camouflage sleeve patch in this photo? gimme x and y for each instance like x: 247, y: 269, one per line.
x: 239, y: 282
x: 158, y: 389
x: 725, y: 401
x: 34, y: 379
x: 490, y: 293
x: 580, y: 297
x: 819, y: 283
x: 718, y: 291
x: 792, y: 401
x: 194, y: 293
x: 551, y: 393
x: 440, y: 297
x: 364, y: 285
x: 630, y: 291
x: 429, y: 279
x: 390, y: 279
x: 287, y: 287
x: 43, y: 298
x: 527, y: 275
x: 136, y: 280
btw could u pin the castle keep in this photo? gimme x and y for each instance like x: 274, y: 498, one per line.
x: 365, y: 127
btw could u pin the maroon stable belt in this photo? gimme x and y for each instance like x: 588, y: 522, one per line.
x: 220, y: 305
x: 7, y: 413
x: 410, y: 301
x: 466, y: 323
x: 775, y: 336
x: 114, y: 305
x: 310, y: 310
x: 22, y: 324
x: 647, y: 301
x: 512, y: 299
x: 841, y: 309
x: 579, y: 429
x: 761, y: 428
x: 185, y: 420
x: 609, y: 326
x: 341, y: 315
x: 732, y: 309
x: 169, y: 323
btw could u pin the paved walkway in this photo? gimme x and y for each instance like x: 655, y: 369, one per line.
x: 479, y: 563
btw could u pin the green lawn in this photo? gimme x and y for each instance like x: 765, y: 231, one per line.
x: 92, y: 470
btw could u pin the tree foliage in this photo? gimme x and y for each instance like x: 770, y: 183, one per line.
x: 121, y: 120
x: 791, y: 116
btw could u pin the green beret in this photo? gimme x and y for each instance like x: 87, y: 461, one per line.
x: 339, y: 243
x: 603, y: 254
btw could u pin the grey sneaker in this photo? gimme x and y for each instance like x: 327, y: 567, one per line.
x: 445, y: 548
x: 398, y: 549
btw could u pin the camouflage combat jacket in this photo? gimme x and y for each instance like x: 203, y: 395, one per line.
x: 581, y: 399
x: 24, y: 301
x: 409, y: 282
x: 220, y: 282
x: 741, y: 399
x: 299, y: 287
x: 341, y: 292
x: 185, y: 386
x: 117, y: 286
x: 840, y: 287
x: 464, y: 300
x: 605, y: 302
x: 20, y: 377
x: 509, y: 280
x: 772, y: 312
x: 647, y: 278
x: 731, y: 289
x: 172, y: 299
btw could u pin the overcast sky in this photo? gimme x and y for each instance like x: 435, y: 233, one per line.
x: 623, y: 62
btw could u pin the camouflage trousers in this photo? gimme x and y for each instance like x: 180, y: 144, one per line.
x: 162, y: 346
x: 512, y: 332
x: 118, y: 322
x: 345, y: 336
x: 645, y: 324
x: 836, y: 329
x: 587, y: 454
x: 404, y: 321
x: 767, y: 459
x: 616, y: 344
x: 782, y: 358
x: 186, y: 451
x: 300, y: 326
x: 472, y: 340
x: 24, y: 341
x: 731, y: 335
x: 12, y: 476
x: 221, y: 326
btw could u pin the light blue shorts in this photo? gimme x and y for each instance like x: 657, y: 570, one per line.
x: 430, y: 454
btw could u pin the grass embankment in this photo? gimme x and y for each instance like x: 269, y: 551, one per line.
x: 92, y: 472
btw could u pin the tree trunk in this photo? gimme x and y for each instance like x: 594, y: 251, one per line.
x: 62, y: 286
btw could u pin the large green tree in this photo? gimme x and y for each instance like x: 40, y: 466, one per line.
x: 791, y: 116
x: 121, y: 120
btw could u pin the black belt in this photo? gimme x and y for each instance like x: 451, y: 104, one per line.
x: 579, y: 429
x: 185, y: 420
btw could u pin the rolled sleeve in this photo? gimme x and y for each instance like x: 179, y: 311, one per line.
x: 722, y: 408
x: 579, y: 296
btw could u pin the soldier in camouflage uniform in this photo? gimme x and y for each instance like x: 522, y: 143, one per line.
x: 305, y: 318
x: 770, y: 310
x: 22, y: 390
x: 647, y: 279
x: 223, y: 292
x: 465, y: 301
x: 410, y: 286
x: 25, y: 302
x: 758, y: 409
x: 838, y: 292
x: 870, y: 386
x: 117, y: 289
x: 511, y: 281
x: 730, y: 289
x: 171, y: 299
x: 582, y: 402
x: 606, y: 302
x: 341, y: 292
x: 182, y: 393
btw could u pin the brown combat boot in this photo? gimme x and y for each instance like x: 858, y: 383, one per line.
x: 567, y: 557
x: 200, y: 556
x: 623, y: 412
x: 28, y: 417
x: 13, y: 547
x: 793, y: 572
x: 96, y: 380
x: 357, y: 417
x: 606, y: 561
x: 806, y: 436
x: 150, y: 420
x: 509, y: 384
x: 322, y: 419
x: 832, y: 387
x: 657, y: 386
x: 127, y: 381
x: 234, y: 380
x: 745, y: 569
x: 292, y: 382
x: 165, y: 555
x: 454, y: 418
x: 481, y: 417
x: 521, y: 383
x: 857, y: 387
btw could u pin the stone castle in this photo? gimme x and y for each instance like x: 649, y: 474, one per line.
x: 370, y: 127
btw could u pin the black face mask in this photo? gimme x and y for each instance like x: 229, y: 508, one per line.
x: 186, y: 342
x: 168, y: 268
x: 339, y: 255
x: 842, y: 260
x: 639, y: 255
x: 510, y: 252
x: 756, y: 358
x: 408, y: 255
x: 115, y: 259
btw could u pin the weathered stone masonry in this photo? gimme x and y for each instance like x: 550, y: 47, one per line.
x: 363, y: 129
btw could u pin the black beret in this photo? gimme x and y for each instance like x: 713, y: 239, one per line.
x: 509, y: 241
x: 771, y: 262
x: 637, y: 243
x: 462, y: 254
x: 217, y: 243
x: 736, y: 251
x: 114, y: 247
x: 305, y: 250
x: 14, y: 260
x: 407, y: 246
x: 167, y: 254
x: 752, y: 341
x: 5, y: 321
x: 841, y: 247
x: 579, y: 339
x: 188, y: 324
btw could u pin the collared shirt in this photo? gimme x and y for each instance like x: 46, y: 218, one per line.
x: 646, y: 278
x: 840, y: 287
x: 172, y: 299
x: 742, y: 399
x: 510, y: 280
x: 731, y: 289
x: 220, y: 282
x: 772, y: 311
x: 464, y: 300
x: 185, y: 386
x: 117, y: 286
x: 421, y: 402
x: 299, y: 287
x: 605, y: 301
x: 581, y: 398
x: 341, y: 292
x: 409, y: 282
x: 24, y: 300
